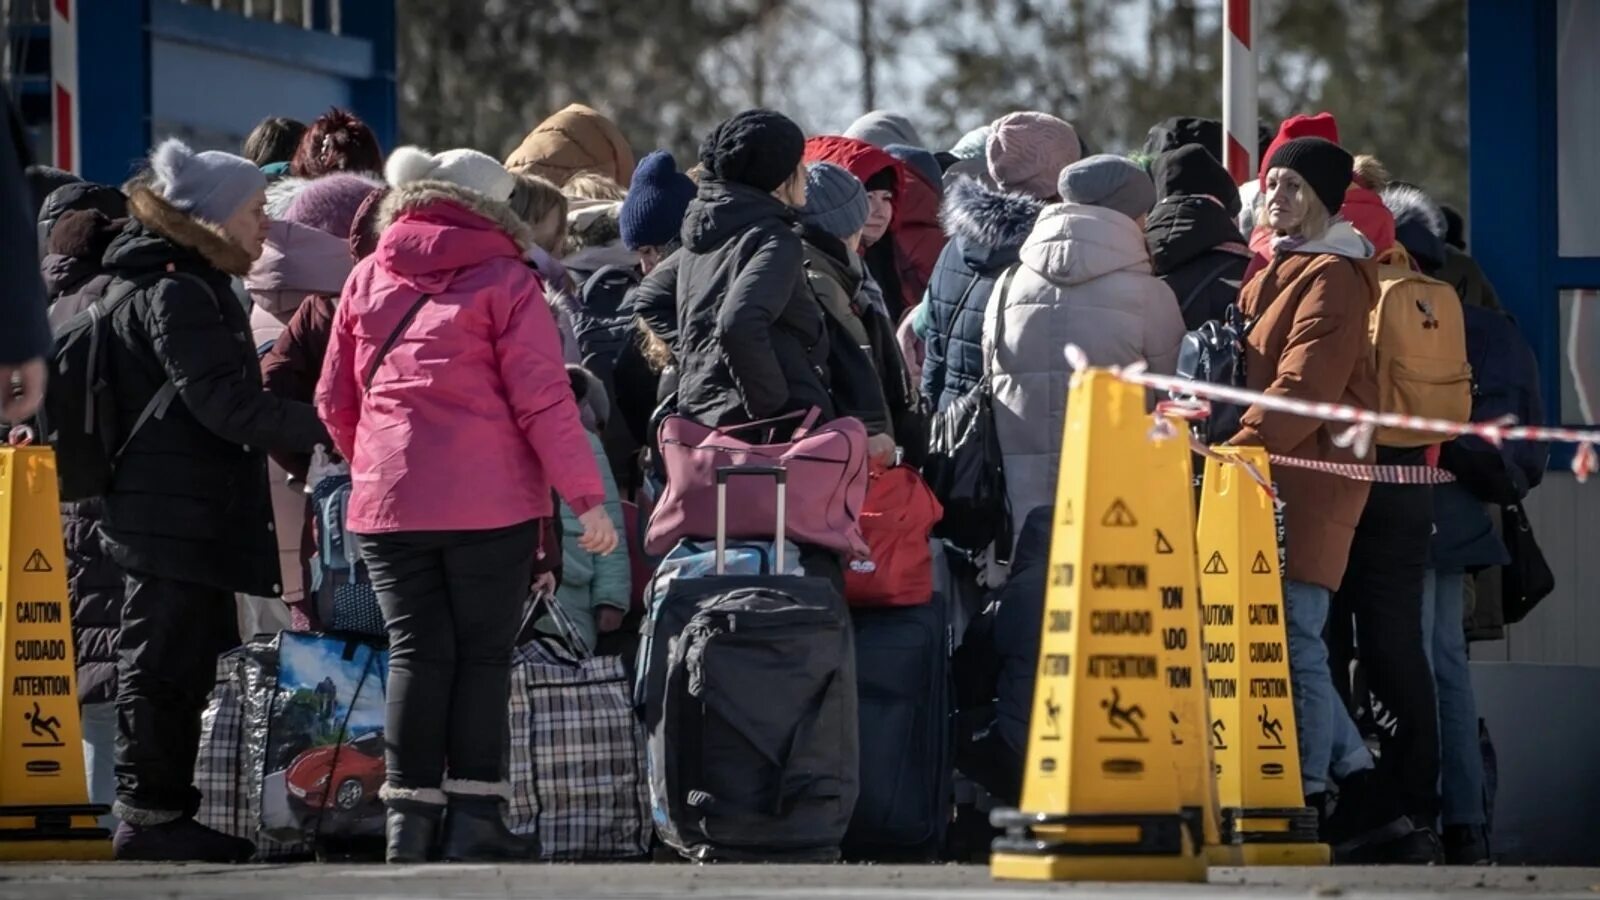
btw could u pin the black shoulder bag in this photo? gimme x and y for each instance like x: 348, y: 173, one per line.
x: 964, y: 467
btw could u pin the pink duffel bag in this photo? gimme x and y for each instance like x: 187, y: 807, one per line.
x: 827, y: 469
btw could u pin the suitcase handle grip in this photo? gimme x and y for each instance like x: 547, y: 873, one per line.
x: 778, y: 474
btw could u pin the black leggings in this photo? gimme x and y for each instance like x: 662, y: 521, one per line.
x: 452, y: 601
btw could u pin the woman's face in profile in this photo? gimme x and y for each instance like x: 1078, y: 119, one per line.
x: 1286, y: 200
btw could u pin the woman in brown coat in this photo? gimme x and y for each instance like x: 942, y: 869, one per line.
x: 1310, y: 308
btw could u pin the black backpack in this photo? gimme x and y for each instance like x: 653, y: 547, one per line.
x: 79, y: 418
x: 1214, y: 354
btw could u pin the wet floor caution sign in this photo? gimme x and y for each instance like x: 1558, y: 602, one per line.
x: 1100, y: 797
x: 1253, y: 736
x: 44, y: 811
x: 1176, y: 577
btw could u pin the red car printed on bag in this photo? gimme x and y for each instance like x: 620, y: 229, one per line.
x: 338, y: 776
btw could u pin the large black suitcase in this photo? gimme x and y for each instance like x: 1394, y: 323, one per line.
x: 753, y: 753
x: 903, y: 680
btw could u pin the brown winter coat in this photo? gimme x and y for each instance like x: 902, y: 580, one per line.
x: 1309, y: 342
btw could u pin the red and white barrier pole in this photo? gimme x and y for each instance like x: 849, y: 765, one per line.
x: 1239, y: 103
x: 64, y: 85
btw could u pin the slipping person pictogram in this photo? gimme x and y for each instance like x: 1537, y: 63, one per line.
x: 1271, y: 728
x: 43, y: 726
x: 1123, y: 718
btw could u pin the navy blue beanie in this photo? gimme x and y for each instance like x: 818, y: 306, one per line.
x: 657, y: 199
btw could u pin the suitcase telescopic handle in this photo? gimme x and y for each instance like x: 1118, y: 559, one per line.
x: 778, y: 474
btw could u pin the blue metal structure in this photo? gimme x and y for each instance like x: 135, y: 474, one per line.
x: 132, y: 71
x: 1511, y: 59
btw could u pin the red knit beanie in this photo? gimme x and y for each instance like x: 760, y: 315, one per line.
x: 1321, y: 125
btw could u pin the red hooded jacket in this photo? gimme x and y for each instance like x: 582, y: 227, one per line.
x: 915, y: 229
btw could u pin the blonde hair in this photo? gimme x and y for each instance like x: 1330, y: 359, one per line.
x: 1315, y: 223
x: 1371, y: 173
x: 657, y: 354
x: 593, y: 186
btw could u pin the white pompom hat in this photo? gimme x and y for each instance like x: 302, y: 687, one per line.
x: 469, y: 169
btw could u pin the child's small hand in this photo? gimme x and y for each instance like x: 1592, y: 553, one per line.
x: 599, y: 535
x: 608, y: 619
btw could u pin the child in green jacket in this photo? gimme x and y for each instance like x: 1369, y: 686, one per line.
x: 594, y: 590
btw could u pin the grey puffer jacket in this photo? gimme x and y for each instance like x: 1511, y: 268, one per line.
x: 1084, y: 279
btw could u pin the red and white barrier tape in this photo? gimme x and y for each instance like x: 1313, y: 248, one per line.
x: 1364, y: 423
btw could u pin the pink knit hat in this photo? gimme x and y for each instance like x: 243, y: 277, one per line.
x: 329, y: 203
x: 1026, y: 152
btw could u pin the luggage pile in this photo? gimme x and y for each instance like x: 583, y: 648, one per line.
x: 771, y: 714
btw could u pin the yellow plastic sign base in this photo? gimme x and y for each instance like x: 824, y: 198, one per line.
x: 1026, y: 867
x: 1100, y: 797
x: 87, y: 850
x: 44, y: 804
x: 1223, y: 855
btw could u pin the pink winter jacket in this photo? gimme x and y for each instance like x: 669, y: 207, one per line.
x: 470, y: 418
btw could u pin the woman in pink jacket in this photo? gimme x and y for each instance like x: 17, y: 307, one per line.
x: 444, y: 387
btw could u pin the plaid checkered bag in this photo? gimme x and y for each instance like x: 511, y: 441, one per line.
x: 577, y: 751
x: 225, y: 802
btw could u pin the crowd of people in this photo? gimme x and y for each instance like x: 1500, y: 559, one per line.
x: 488, y: 345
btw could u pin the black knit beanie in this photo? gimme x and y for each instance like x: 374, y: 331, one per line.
x: 757, y: 147
x: 1324, y: 165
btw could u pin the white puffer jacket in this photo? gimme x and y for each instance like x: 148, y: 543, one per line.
x: 1085, y: 279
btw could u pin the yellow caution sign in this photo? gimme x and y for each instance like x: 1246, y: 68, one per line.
x: 1100, y: 795
x: 1177, y: 579
x: 44, y: 804
x: 1253, y: 735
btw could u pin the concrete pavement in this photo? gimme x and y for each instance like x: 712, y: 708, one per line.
x: 102, y: 881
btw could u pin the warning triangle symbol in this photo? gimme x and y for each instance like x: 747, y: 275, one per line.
x: 1119, y: 516
x: 37, y: 563
x: 1163, y: 546
x: 1261, y: 566
x: 1215, y: 565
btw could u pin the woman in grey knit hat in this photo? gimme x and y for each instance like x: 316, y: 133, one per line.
x: 187, y: 516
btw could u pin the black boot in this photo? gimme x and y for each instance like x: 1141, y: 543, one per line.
x: 1366, y: 823
x: 1466, y: 845
x: 178, y: 840
x: 412, y: 826
x: 475, y: 829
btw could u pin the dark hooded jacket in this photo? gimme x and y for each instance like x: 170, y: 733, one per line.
x: 75, y: 245
x: 189, y: 498
x: 1195, y: 245
x: 987, y: 229
x: 752, y: 343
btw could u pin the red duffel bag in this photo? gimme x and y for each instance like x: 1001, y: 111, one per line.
x: 827, y: 469
x: 897, y: 520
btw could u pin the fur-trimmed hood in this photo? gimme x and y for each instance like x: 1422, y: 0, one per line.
x: 983, y: 220
x: 155, y: 218
x: 433, y: 230
x: 1419, y: 224
x: 418, y: 195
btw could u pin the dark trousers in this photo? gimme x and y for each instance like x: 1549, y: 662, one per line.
x: 1381, y: 602
x: 172, y: 632
x: 453, y: 601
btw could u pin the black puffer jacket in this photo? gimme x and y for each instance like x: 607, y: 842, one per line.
x: 189, y: 499
x: 752, y: 342
x: 1198, y: 251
